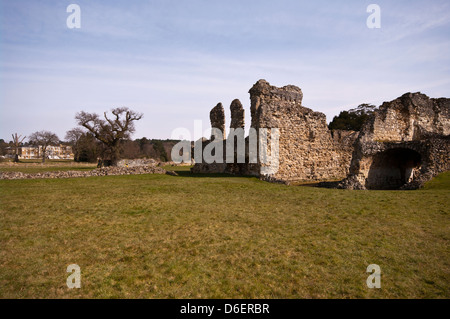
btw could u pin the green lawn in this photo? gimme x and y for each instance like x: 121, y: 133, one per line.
x: 36, y: 166
x: 160, y: 236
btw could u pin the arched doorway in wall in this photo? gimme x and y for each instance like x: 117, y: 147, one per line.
x: 393, y: 168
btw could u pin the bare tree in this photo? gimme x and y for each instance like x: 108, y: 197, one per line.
x: 17, y: 140
x: 130, y: 149
x: 43, y: 139
x: 73, y: 136
x: 110, y: 131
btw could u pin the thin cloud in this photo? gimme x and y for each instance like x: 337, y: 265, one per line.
x: 175, y: 60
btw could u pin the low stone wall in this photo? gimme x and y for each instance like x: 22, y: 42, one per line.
x: 96, y: 172
x: 137, y: 162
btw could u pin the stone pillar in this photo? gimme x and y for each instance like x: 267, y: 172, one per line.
x: 257, y: 93
x: 271, y: 98
x: 237, y: 115
x: 217, y: 117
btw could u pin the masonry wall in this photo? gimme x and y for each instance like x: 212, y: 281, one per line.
x: 308, y: 150
x: 410, y: 117
x: 403, y: 145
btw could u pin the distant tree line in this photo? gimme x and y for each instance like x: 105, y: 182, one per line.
x: 4, y: 145
x: 106, y: 137
x: 87, y: 149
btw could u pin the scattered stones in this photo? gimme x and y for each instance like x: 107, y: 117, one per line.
x: 138, y: 162
x: 171, y: 173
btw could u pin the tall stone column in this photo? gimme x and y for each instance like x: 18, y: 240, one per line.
x: 217, y: 118
x: 237, y: 114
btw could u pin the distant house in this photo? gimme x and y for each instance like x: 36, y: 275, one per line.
x: 35, y: 152
x: 27, y: 152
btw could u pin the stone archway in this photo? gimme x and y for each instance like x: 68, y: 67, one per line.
x: 393, y: 168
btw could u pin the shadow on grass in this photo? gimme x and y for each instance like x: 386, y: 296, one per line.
x: 185, y: 171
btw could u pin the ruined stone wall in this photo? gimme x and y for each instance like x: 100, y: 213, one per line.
x: 403, y: 145
x: 308, y: 150
x: 104, y: 171
x: 410, y: 117
x: 344, y: 141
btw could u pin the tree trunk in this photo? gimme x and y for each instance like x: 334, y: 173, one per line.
x: 76, y: 151
x: 115, y: 153
x: 16, y: 155
x: 114, y: 159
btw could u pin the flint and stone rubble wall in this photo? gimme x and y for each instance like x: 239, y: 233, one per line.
x: 135, y: 170
x: 404, y: 144
x: 308, y: 150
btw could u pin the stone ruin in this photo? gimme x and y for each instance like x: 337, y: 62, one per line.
x: 308, y: 150
x: 404, y: 144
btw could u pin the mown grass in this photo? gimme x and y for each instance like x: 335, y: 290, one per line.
x: 34, y: 166
x: 159, y: 236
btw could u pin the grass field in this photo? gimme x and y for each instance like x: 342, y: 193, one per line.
x: 36, y: 166
x: 159, y: 236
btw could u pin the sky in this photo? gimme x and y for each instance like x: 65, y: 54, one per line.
x: 175, y: 60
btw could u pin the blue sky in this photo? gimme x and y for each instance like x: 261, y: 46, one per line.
x: 175, y: 60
